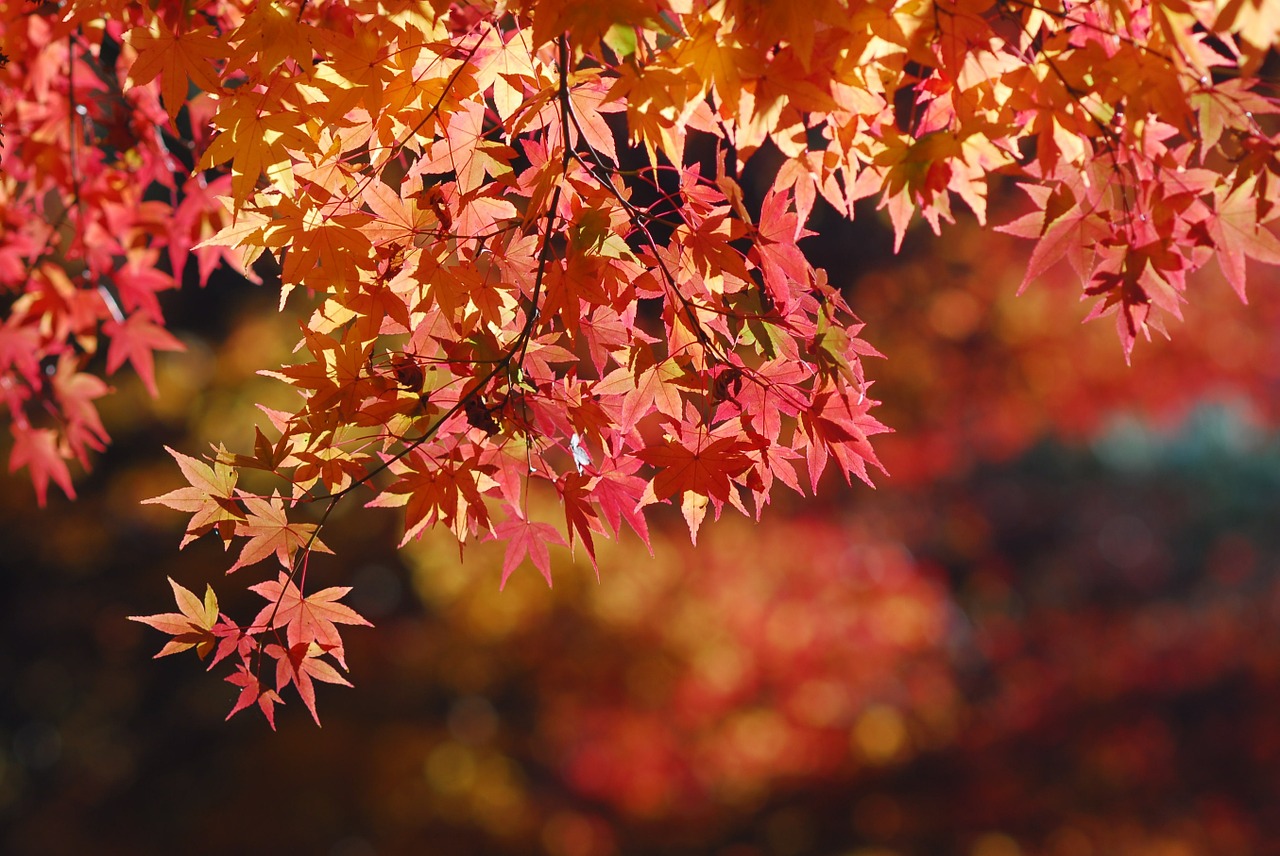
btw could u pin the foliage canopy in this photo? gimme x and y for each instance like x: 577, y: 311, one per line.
x: 528, y: 252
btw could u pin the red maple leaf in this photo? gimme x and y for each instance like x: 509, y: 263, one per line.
x: 136, y: 340
x: 38, y: 450
x: 310, y: 618
x: 299, y: 665
x: 253, y: 692
x: 618, y: 491
x: 579, y: 517
x: 527, y: 538
x: 784, y: 265
x: 704, y: 465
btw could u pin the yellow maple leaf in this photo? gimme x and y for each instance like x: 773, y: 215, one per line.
x: 272, y: 34
x: 1257, y: 22
x: 255, y: 143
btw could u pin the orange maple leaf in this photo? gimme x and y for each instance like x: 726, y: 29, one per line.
x: 179, y: 59
x: 191, y: 627
x: 269, y: 531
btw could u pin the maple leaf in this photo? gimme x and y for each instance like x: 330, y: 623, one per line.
x: 253, y: 692
x: 269, y: 531
x: 136, y: 340
x: 1257, y: 21
x: 232, y: 639
x: 300, y: 665
x: 19, y: 350
x: 322, y: 246
x: 505, y: 63
x: 1238, y: 233
x: 465, y: 152
x: 75, y: 392
x: 191, y: 627
x: 838, y: 426
x: 452, y: 495
x: 589, y: 108
x: 178, y: 58
x: 649, y: 390
x: 580, y: 518
x: 254, y: 143
x: 404, y: 221
x: 272, y: 34
x: 705, y: 466
x: 1059, y: 234
x: 242, y: 234
x: 211, y: 499
x: 312, y: 618
x: 526, y: 538
x: 38, y: 450
x: 783, y: 263
x: 618, y: 492
x: 138, y: 282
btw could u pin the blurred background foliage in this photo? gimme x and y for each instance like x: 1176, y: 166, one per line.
x: 1052, y: 631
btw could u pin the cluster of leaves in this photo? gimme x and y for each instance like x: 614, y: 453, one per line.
x: 504, y: 295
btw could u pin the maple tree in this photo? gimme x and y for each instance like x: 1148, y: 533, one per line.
x: 533, y: 256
